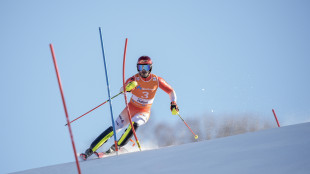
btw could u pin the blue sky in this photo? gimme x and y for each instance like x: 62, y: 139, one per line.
x: 221, y: 57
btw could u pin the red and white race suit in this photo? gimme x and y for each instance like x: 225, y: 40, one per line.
x: 142, y: 99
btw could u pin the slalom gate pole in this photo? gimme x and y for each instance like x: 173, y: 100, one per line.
x: 196, y: 136
x: 275, y: 116
x: 95, y: 108
x: 108, y: 86
x: 128, y: 111
x: 65, y: 108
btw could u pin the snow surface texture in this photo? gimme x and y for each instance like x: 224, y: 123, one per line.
x: 280, y: 150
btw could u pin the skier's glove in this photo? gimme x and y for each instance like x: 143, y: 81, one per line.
x: 131, y: 85
x: 174, y: 108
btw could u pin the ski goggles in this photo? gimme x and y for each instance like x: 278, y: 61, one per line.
x: 144, y: 67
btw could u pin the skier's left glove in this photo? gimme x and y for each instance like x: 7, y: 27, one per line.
x: 174, y: 108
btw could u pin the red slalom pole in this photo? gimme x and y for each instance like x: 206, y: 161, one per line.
x: 275, y: 116
x: 129, y: 116
x: 65, y: 108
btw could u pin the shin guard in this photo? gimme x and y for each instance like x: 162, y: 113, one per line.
x: 127, y: 135
x: 101, y: 139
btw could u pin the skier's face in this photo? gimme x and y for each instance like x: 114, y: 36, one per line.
x: 144, y: 73
x: 144, y: 70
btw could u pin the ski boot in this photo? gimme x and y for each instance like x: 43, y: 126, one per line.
x: 110, y: 151
x: 87, y: 153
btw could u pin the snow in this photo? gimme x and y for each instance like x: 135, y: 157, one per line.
x: 282, y: 150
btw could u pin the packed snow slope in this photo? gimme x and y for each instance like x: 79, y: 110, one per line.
x: 283, y: 150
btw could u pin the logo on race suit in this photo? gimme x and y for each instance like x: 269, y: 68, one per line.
x: 122, y: 120
x: 141, y: 101
x: 147, y: 89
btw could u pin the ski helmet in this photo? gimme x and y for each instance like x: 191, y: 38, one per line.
x: 145, y: 60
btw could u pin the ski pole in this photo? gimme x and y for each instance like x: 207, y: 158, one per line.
x: 95, y: 108
x: 196, y: 136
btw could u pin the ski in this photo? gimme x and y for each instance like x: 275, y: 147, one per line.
x: 101, y: 154
x: 105, y: 154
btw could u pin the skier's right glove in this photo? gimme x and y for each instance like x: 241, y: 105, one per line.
x: 174, y: 108
x: 131, y: 85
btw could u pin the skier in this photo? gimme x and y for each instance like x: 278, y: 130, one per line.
x: 143, y: 87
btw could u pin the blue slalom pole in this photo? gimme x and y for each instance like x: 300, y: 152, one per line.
x: 110, y: 101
